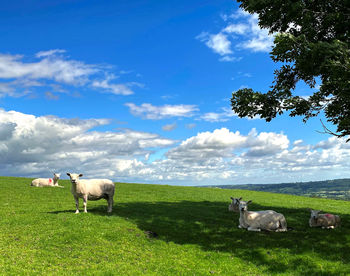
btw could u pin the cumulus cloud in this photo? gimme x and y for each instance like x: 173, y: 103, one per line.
x: 35, y: 146
x: 265, y: 143
x: 52, y: 68
x: 149, y: 111
x: 206, y: 145
x: 241, y: 31
x: 217, y: 42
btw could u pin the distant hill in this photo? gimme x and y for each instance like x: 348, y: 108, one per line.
x: 335, y: 189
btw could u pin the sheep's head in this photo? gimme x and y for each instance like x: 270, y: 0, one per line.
x: 233, y: 207
x: 74, y: 177
x: 56, y: 175
x: 314, y: 213
x: 243, y: 205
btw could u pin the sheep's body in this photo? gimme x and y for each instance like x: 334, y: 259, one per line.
x: 328, y: 221
x: 234, y: 206
x: 261, y: 220
x: 44, y: 182
x: 91, y: 189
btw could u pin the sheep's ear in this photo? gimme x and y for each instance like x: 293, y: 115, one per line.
x: 240, y: 199
x: 68, y: 174
x: 231, y: 197
x: 249, y: 202
x: 80, y: 175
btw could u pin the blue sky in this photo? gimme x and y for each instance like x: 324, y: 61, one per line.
x: 140, y: 92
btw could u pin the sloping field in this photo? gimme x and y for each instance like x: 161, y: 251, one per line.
x: 194, y: 233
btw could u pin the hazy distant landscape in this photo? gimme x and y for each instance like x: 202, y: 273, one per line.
x: 334, y: 189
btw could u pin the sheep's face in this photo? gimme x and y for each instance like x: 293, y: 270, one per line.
x: 74, y: 177
x: 233, y: 207
x: 56, y: 175
x: 243, y: 205
x: 314, y: 213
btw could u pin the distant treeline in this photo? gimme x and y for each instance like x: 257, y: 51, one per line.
x: 335, y: 189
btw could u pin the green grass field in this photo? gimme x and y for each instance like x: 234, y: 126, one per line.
x: 40, y: 234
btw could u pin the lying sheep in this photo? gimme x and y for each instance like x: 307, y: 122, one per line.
x: 92, y: 189
x: 234, y: 206
x: 328, y: 221
x: 260, y: 220
x: 42, y: 182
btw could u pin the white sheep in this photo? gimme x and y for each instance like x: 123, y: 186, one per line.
x: 234, y: 206
x: 328, y: 221
x: 91, y: 189
x: 260, y: 220
x: 43, y: 182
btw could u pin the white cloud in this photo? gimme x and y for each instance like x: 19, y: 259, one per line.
x: 49, y: 53
x: 52, y: 69
x: 169, y: 127
x: 218, y: 143
x: 35, y: 146
x: 241, y: 31
x: 219, y: 43
x: 149, y: 111
x: 223, y: 116
x: 230, y: 58
x: 51, y: 96
x: 118, y: 89
x: 229, y: 157
x: 236, y: 28
x: 266, y: 143
x: 190, y: 126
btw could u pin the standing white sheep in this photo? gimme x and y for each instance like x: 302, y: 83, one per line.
x: 91, y: 189
x: 260, y: 220
x: 328, y: 221
x: 42, y: 182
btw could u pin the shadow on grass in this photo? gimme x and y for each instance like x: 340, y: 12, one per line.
x: 213, y: 228
x: 62, y: 212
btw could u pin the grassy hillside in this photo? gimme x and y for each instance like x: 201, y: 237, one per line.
x: 40, y: 234
x: 336, y: 189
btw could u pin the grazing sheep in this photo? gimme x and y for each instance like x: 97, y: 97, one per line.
x: 92, y: 189
x: 260, y: 220
x: 234, y: 206
x: 328, y: 221
x: 42, y: 182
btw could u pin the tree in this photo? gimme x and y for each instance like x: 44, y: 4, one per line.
x: 312, y: 42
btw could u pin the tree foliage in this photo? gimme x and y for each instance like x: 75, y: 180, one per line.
x: 312, y: 42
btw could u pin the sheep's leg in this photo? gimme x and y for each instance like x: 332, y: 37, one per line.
x: 281, y: 230
x: 85, y: 203
x: 76, y: 205
x: 110, y: 204
x: 254, y: 229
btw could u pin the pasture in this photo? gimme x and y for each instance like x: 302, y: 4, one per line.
x: 163, y: 230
